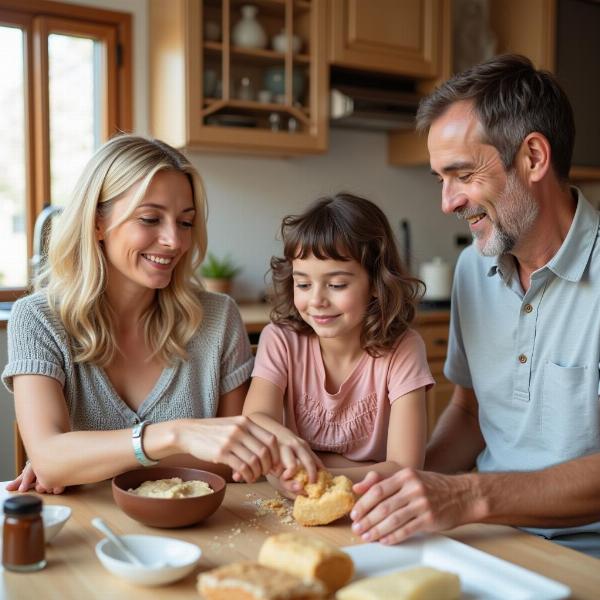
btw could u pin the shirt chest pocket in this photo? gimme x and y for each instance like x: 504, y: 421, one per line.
x: 570, y: 411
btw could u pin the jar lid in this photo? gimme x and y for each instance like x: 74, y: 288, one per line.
x: 25, y: 504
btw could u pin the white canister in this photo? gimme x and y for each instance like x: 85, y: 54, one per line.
x: 248, y: 32
x: 437, y: 276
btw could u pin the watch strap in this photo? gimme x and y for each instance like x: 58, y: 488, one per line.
x: 138, y: 449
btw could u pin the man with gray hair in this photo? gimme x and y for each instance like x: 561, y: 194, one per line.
x: 524, y: 348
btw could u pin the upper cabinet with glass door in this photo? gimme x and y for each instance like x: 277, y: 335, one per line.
x: 246, y: 77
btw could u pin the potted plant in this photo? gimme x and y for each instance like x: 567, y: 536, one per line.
x: 217, y: 273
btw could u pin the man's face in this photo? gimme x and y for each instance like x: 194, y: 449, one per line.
x: 476, y: 187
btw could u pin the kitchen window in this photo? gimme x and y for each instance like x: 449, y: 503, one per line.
x: 65, y: 88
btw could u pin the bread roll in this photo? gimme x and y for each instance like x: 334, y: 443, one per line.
x: 250, y: 581
x: 327, y: 500
x: 308, y: 558
x: 419, y: 583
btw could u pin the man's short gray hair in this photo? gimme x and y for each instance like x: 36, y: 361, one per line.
x: 512, y: 99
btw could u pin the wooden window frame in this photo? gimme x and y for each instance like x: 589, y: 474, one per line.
x: 38, y: 18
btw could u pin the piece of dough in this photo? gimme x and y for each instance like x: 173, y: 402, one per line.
x: 308, y: 558
x: 419, y: 583
x: 249, y: 580
x: 328, y: 499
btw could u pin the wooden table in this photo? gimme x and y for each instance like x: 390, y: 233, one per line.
x: 236, y: 531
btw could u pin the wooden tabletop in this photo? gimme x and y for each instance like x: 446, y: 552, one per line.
x: 235, y: 532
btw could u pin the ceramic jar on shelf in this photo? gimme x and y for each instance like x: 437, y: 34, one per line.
x: 212, y: 31
x: 248, y: 32
x: 280, y: 42
x: 274, y: 81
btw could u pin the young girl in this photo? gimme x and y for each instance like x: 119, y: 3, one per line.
x: 339, y: 372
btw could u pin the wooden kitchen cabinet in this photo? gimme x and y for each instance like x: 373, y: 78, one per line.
x: 434, y: 328
x: 406, y: 147
x: 402, y: 38
x: 204, y: 93
x: 560, y: 36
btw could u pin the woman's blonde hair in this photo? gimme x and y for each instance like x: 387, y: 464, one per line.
x: 74, y: 277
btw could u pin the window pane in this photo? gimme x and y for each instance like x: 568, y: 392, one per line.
x: 13, y: 237
x: 75, y: 82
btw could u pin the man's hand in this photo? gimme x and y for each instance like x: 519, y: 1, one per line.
x: 394, y: 508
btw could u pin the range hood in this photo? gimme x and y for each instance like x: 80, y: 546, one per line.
x: 372, y: 107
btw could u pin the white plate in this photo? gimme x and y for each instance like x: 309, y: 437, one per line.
x: 482, y: 576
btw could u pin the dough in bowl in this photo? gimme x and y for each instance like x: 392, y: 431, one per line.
x: 173, y: 488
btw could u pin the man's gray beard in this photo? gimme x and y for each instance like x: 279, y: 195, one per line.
x: 516, y: 213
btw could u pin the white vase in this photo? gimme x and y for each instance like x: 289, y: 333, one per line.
x: 280, y: 43
x: 248, y: 32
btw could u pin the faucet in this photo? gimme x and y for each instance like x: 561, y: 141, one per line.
x: 40, y: 238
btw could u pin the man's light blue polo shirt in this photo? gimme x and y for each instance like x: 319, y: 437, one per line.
x: 533, y: 359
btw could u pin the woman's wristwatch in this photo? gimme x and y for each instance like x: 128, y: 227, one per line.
x: 136, y: 439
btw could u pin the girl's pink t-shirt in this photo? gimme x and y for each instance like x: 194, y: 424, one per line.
x: 353, y: 421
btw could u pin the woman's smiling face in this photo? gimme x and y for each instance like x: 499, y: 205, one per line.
x: 144, y: 249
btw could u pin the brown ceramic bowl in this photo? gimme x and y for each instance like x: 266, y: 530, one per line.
x: 167, y: 512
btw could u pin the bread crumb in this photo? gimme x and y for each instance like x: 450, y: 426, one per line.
x: 279, y: 506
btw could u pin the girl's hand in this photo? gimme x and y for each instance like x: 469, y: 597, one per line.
x: 27, y: 480
x: 249, y: 449
x: 296, y: 453
x: 287, y: 488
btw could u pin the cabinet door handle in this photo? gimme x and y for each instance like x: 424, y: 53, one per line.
x: 440, y: 342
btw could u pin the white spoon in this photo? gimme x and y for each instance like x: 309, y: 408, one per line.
x: 101, y: 525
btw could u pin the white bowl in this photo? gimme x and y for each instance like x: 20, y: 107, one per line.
x: 168, y: 559
x: 54, y: 517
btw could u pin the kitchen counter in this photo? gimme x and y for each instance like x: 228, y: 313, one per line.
x: 236, y: 532
x: 255, y: 315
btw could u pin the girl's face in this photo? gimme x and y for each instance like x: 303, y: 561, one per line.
x: 144, y: 250
x: 331, y: 295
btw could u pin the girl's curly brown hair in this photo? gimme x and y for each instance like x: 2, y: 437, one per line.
x: 346, y: 227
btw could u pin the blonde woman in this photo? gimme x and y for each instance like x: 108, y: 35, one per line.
x: 120, y: 358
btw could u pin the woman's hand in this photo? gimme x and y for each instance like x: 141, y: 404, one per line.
x: 250, y: 450
x: 27, y: 480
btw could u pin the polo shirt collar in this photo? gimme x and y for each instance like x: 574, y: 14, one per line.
x: 572, y: 257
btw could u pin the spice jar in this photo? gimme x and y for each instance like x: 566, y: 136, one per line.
x: 23, y: 534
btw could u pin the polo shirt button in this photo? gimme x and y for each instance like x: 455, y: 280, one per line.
x: 522, y: 359
x: 528, y: 308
